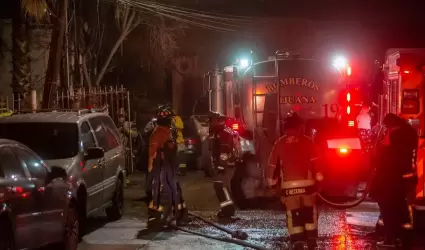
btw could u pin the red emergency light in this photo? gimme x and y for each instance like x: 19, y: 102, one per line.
x: 348, y: 110
x: 348, y: 97
x: 234, y: 125
x: 343, y: 150
x: 348, y: 70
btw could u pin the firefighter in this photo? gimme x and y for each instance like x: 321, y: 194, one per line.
x: 291, y: 160
x: 178, y: 126
x: 127, y: 134
x: 395, y: 180
x: 147, y: 132
x: 364, y: 127
x: 222, y: 180
x: 167, y: 201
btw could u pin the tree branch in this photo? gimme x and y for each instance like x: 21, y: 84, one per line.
x: 86, y: 72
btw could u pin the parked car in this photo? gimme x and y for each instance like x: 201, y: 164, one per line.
x: 192, y: 144
x: 37, y: 207
x: 86, y: 144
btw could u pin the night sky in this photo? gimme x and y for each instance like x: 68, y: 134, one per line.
x: 390, y: 23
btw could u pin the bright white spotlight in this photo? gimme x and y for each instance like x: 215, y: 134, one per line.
x: 340, y: 63
x: 243, y: 63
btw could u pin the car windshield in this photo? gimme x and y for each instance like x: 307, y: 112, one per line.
x: 49, y: 140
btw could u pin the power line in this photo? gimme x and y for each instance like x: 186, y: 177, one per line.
x: 192, y: 17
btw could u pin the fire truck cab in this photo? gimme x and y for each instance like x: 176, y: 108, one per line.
x: 403, y: 93
x: 257, y: 96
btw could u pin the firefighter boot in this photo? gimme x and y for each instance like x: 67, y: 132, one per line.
x: 227, y: 208
x: 299, y: 245
x: 155, y: 219
x: 182, y: 216
x: 310, y: 227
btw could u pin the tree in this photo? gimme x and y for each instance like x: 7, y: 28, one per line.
x: 21, y: 67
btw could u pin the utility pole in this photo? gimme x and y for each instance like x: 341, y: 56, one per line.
x: 55, y: 56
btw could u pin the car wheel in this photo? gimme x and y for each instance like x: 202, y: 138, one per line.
x: 7, y: 240
x: 72, y: 228
x: 116, y: 211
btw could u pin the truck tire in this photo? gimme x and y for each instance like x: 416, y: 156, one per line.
x: 206, y: 160
x: 246, y: 182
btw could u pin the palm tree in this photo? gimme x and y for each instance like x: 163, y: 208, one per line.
x: 21, y: 38
x: 20, y: 52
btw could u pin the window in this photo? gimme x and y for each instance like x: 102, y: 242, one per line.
x: 10, y: 166
x: 112, y: 131
x: 106, y: 139
x: 87, y: 136
x: 35, y: 166
x: 50, y: 140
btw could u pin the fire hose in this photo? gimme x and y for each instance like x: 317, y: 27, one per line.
x: 364, y: 194
x: 348, y: 204
x: 238, y: 236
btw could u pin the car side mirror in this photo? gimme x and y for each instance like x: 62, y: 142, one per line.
x: 56, y: 172
x: 94, y: 153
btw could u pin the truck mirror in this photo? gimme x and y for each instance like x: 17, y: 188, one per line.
x: 397, y: 62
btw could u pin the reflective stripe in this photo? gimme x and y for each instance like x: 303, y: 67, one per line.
x: 291, y: 229
x: 310, y: 226
x: 226, y: 203
x: 226, y: 193
x: 381, y: 222
x: 182, y: 165
x: 410, y: 214
x: 296, y: 184
x: 407, y: 226
x: 409, y: 175
x: 271, y: 182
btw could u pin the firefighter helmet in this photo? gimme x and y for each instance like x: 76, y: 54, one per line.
x: 292, y: 121
x: 164, y: 115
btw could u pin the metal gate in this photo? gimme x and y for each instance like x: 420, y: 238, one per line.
x: 110, y: 99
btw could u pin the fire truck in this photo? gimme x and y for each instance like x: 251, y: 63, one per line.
x: 255, y: 97
x: 403, y: 94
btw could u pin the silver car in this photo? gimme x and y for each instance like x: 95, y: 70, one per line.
x: 86, y: 144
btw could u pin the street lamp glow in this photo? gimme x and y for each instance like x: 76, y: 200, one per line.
x: 243, y: 63
x: 340, y: 63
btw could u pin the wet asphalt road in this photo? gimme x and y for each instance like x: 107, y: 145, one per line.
x: 338, y: 229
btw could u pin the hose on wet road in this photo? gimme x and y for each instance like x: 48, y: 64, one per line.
x: 238, y: 234
x: 223, y: 239
x: 348, y: 204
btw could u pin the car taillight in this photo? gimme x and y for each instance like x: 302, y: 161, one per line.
x: 190, y: 142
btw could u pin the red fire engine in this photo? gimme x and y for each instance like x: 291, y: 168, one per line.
x: 250, y: 96
x: 403, y: 94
